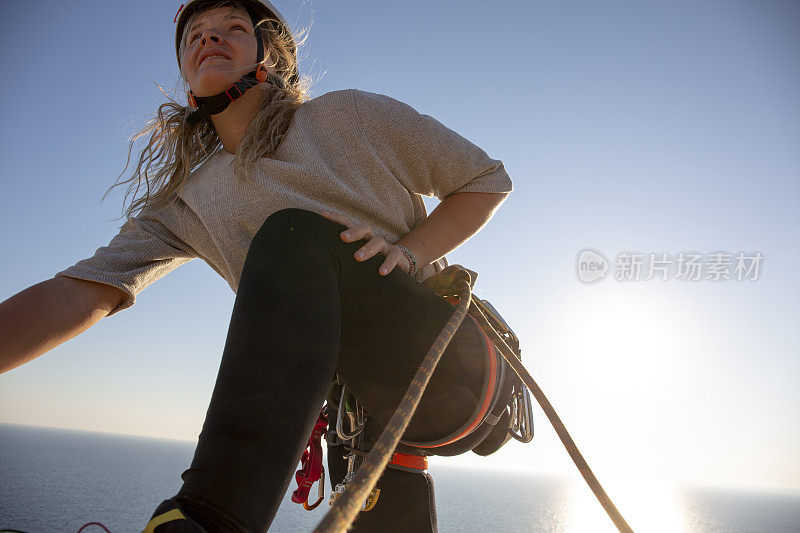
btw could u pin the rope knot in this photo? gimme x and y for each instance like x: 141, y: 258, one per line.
x: 445, y: 282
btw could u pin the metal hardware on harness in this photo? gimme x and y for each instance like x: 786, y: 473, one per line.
x: 521, y: 416
x: 321, y: 494
x: 359, y: 426
x: 520, y: 403
x: 356, y: 438
x: 369, y: 503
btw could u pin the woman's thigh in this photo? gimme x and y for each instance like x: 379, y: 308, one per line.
x: 388, y: 325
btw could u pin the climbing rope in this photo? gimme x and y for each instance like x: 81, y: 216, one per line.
x: 452, y: 281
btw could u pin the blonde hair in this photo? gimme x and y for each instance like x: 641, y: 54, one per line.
x: 176, y: 148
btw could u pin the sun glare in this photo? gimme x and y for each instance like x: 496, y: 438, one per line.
x: 647, y: 505
x: 630, y: 336
x: 620, y: 367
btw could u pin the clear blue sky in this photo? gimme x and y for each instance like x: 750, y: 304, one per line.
x: 650, y: 126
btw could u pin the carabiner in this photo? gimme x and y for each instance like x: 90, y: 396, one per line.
x: 521, y: 415
x: 311, y: 507
x: 343, y: 407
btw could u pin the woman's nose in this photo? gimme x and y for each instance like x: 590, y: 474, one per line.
x: 210, y: 36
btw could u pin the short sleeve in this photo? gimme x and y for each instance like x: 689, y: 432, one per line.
x: 426, y: 156
x: 145, y: 250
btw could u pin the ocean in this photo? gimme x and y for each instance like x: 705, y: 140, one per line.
x: 56, y: 480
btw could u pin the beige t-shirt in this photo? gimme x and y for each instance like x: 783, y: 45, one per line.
x: 362, y: 154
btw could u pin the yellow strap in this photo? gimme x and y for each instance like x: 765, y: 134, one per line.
x: 169, y: 516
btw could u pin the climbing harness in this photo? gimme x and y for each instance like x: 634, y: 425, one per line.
x: 211, y: 105
x: 455, y: 281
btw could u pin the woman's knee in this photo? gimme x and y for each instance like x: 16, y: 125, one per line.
x: 289, y: 214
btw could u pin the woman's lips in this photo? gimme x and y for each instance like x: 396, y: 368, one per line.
x: 213, y: 57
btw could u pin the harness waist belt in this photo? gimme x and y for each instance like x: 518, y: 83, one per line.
x: 419, y: 462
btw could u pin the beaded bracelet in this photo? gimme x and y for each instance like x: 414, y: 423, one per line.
x: 411, y: 259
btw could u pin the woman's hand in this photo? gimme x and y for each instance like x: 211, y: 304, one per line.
x: 375, y: 244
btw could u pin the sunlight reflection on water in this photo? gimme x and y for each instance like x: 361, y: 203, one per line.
x: 647, y: 505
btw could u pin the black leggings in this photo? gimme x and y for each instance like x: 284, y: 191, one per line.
x: 305, y: 310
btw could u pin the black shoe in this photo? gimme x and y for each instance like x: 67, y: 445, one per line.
x: 170, y: 517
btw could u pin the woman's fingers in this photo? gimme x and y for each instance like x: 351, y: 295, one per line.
x: 394, y: 255
x: 359, y: 231
x: 346, y: 235
x: 394, y: 258
x: 354, y: 231
x: 375, y: 244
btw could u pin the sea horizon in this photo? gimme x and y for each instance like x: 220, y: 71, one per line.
x: 118, y: 479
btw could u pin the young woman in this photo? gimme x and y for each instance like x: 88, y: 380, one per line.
x: 311, y: 209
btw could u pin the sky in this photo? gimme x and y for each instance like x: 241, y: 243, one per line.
x: 627, y: 128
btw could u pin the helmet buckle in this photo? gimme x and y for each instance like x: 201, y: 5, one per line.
x: 261, y: 74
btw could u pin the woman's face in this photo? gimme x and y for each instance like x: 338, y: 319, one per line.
x: 220, y: 48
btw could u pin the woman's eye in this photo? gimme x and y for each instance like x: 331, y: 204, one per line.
x: 194, y: 36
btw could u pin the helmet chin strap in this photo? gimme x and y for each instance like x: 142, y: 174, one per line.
x: 206, y: 106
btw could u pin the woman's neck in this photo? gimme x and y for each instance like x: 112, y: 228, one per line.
x: 231, y: 124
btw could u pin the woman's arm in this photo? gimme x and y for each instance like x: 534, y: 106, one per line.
x: 458, y: 217
x: 48, y: 314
